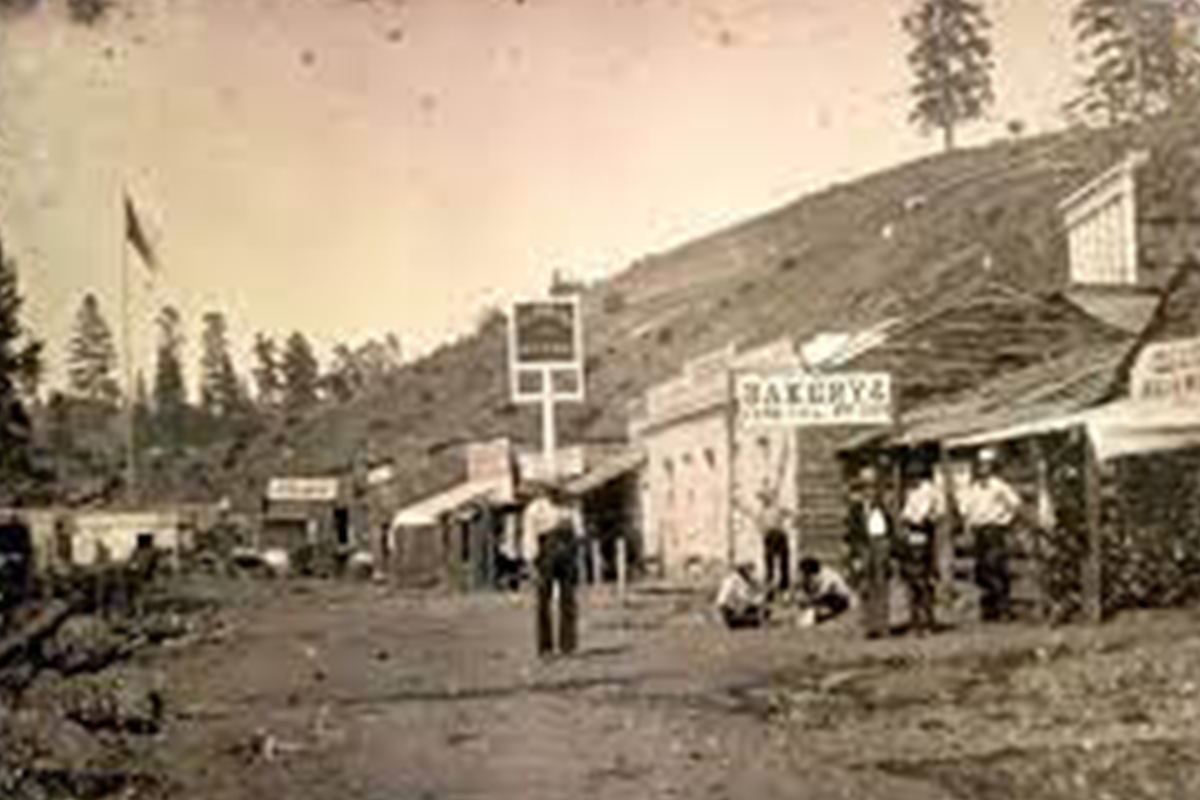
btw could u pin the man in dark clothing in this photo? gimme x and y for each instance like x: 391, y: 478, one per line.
x: 556, y: 566
x: 868, y: 533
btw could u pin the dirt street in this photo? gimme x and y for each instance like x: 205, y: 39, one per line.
x: 353, y: 691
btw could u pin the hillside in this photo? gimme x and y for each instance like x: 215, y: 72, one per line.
x: 852, y: 254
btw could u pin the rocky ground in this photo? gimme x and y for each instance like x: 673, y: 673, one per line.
x: 309, y: 690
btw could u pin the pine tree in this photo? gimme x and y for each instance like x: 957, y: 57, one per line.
x: 220, y: 392
x: 1143, y: 55
x: 951, y: 60
x: 301, y: 373
x: 20, y: 366
x: 170, y: 391
x: 92, y: 356
x: 268, y: 383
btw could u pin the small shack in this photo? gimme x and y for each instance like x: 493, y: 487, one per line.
x: 309, y: 518
x: 453, y: 537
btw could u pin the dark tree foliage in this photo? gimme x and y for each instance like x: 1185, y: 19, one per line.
x: 268, y: 380
x: 1142, y: 56
x: 951, y: 61
x: 170, y: 403
x: 20, y: 367
x: 92, y: 356
x: 301, y: 373
x: 221, y: 396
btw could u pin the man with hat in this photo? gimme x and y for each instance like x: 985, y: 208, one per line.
x: 924, y: 506
x: 990, y: 507
x: 869, y: 533
x: 556, y: 570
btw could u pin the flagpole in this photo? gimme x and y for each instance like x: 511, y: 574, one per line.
x: 127, y: 346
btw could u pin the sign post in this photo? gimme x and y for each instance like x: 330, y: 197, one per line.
x: 546, y: 362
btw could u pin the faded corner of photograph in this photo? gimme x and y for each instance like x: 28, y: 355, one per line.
x: 545, y: 399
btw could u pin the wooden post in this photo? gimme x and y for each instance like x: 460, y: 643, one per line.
x: 622, y: 568
x: 1092, y: 578
x: 597, y: 573
x: 1042, y: 528
x: 943, y: 532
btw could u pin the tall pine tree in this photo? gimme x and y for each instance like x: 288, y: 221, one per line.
x: 1143, y: 56
x: 20, y: 366
x: 170, y: 391
x: 92, y: 356
x: 301, y: 373
x: 951, y: 61
x: 268, y: 382
x: 220, y: 392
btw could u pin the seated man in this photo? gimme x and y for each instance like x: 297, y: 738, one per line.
x: 824, y: 590
x: 739, y: 600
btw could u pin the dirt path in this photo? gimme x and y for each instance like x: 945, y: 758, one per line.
x: 344, y: 691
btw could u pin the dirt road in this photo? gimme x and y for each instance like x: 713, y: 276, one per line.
x: 341, y: 691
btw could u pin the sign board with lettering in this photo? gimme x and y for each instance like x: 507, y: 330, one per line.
x: 799, y: 398
x: 302, y: 490
x: 546, y: 350
x: 1167, y: 371
x: 570, y: 462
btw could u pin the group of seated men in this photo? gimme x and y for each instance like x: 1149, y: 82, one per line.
x: 822, y: 594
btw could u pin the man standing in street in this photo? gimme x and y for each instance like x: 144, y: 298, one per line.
x: 869, y: 537
x: 990, y: 507
x: 556, y: 571
x: 924, y: 507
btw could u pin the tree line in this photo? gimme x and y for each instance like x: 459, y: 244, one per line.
x: 1142, y: 58
x: 77, y: 431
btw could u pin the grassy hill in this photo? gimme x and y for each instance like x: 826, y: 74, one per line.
x: 849, y: 255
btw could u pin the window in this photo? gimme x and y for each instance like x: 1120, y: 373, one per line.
x: 710, y: 457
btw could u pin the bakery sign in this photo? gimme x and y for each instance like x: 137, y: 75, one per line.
x: 799, y: 398
x: 1167, y: 371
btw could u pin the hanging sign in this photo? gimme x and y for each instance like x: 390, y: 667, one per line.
x: 546, y: 350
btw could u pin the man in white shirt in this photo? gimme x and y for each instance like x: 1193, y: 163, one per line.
x: 556, y: 570
x: 825, y: 590
x: 924, y: 507
x: 740, y: 602
x: 990, y: 507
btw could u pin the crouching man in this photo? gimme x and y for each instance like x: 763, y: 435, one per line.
x: 740, y: 601
x: 824, y: 591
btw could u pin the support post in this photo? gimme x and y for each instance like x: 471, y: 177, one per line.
x: 1042, y: 529
x: 622, y: 567
x: 1092, y: 578
x: 596, y: 574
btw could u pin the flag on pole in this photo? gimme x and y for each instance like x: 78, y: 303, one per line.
x: 137, y: 237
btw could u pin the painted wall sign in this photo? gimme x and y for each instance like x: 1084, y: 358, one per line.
x: 1167, y: 371
x: 302, y: 490
x: 796, y: 398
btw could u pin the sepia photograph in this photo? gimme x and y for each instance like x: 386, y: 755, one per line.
x: 599, y: 399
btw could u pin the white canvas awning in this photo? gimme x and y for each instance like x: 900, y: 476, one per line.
x: 1119, y: 429
x: 430, y: 510
x: 1140, y: 427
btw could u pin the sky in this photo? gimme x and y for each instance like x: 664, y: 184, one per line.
x: 353, y: 167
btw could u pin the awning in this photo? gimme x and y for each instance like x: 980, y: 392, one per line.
x: 431, y: 509
x: 1141, y: 427
x: 1117, y: 430
x: 604, y: 472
